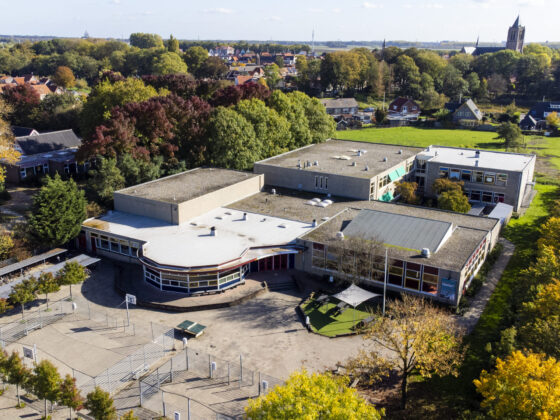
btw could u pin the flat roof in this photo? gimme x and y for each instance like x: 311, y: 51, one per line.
x: 400, y: 230
x: 336, y: 157
x: 452, y: 255
x: 187, y: 185
x: 190, y: 244
x: 486, y: 159
x: 293, y: 204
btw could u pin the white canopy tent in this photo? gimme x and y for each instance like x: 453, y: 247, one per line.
x: 355, y: 295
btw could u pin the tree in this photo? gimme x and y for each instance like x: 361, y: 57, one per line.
x: 23, y: 292
x: 195, y: 58
x: 441, y: 185
x: 454, y: 201
x: 272, y: 74
x: 23, y: 101
x: 169, y: 63
x: 63, y: 76
x: 232, y: 140
x: 16, y: 373
x: 129, y: 416
x: 550, y: 233
x: 72, y: 273
x: 4, y: 306
x: 46, y: 382
x: 316, y: 396
x: 7, y: 151
x: 58, y: 210
x: 380, y: 116
x: 6, y: 245
x: 407, y: 191
x: 521, y: 387
x: 321, y: 124
x: 100, y: 405
x: 69, y: 394
x: 294, y: 113
x: 143, y: 40
x: 47, y: 284
x: 553, y: 120
x: 419, y: 336
x: 212, y: 68
x: 173, y: 44
x: 105, y: 179
x: 511, y: 133
x: 407, y: 76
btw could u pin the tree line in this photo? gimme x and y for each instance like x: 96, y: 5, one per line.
x: 432, y: 78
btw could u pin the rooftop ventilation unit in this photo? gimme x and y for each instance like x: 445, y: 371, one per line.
x: 273, y: 191
x: 244, y: 216
x: 340, y: 235
x: 363, y: 151
x: 322, y: 204
x: 324, y: 219
x: 282, y: 225
x: 476, y: 162
x: 327, y: 202
x: 316, y: 163
x: 425, y: 252
x: 354, y: 163
x: 385, y: 159
x: 316, y: 200
x: 311, y: 203
x: 213, y: 231
x: 299, y: 164
x: 477, y: 153
x: 359, y: 153
x: 314, y: 223
x: 366, y: 168
x: 400, y: 151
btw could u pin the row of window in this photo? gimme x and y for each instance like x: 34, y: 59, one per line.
x: 118, y: 246
x: 476, y: 259
x: 467, y: 175
x: 194, y: 281
x: 485, y: 196
x: 403, y: 274
x: 44, y: 169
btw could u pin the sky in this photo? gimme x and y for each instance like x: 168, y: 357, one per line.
x: 411, y: 20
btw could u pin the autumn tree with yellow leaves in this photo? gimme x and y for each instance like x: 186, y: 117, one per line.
x: 7, y: 152
x: 521, y: 387
x: 310, y: 397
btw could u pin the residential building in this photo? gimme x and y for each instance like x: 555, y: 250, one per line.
x: 489, y: 177
x: 340, y: 106
x: 541, y: 110
x: 466, y: 111
x: 403, y: 108
x: 45, y: 153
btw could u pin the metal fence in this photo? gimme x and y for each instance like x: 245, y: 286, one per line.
x: 166, y: 390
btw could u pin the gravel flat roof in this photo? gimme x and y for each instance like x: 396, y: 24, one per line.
x: 452, y: 255
x: 187, y: 185
x: 293, y: 204
x: 337, y: 157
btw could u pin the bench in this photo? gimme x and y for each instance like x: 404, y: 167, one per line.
x: 191, y: 328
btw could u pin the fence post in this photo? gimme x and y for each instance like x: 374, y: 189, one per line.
x: 171, y: 370
x: 240, y: 370
x: 144, y: 354
x: 260, y: 383
x: 140, y: 386
x: 228, y: 377
x: 158, y: 384
x: 187, y: 356
x: 209, y: 366
x: 163, y: 403
x: 108, y: 381
x: 130, y: 363
x: 89, y: 311
x: 188, y: 408
x: 152, y: 327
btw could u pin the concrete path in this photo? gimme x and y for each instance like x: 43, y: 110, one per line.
x: 478, y: 303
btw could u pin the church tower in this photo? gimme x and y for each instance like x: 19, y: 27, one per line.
x: 516, y: 37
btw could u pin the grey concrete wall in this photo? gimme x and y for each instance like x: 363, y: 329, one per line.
x: 146, y: 207
x: 304, y: 179
x: 200, y: 205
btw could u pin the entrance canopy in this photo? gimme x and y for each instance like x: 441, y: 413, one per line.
x: 355, y: 295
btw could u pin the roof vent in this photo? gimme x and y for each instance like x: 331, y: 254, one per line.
x: 213, y: 231
x: 282, y: 225
x: 428, y: 149
x: 316, y: 163
x: 308, y: 164
x: 366, y: 168
x: 354, y: 163
x: 314, y: 223
x: 363, y: 151
x: 476, y: 162
x: 340, y: 235
x: 359, y: 153
x: 273, y: 191
x: 477, y: 153
x: 385, y: 159
x: 244, y: 216
x: 425, y: 252
x: 299, y: 164
x: 400, y: 151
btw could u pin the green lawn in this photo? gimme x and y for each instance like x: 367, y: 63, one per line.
x: 324, y: 322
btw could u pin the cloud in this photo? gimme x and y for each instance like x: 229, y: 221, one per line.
x: 337, y: 10
x: 368, y: 5
x: 115, y: 2
x: 315, y: 10
x: 219, y: 11
x: 274, y: 19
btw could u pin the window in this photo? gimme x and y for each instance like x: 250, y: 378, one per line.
x: 467, y: 193
x: 412, y: 279
x: 486, y: 197
x: 489, y: 178
x: 396, y: 272
x: 332, y: 262
x: 66, y: 168
x: 316, y: 182
x: 409, y: 166
x: 104, y: 242
x: 114, y: 246
x: 478, y: 176
x: 421, y: 166
x: 22, y: 173
x: 466, y: 175
x: 443, y: 172
x: 383, y: 181
x: 499, y: 198
x: 455, y: 174
x: 475, y: 195
x: 502, y: 179
x: 430, y: 280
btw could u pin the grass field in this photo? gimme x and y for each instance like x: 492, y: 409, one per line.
x: 423, y: 137
x: 324, y: 322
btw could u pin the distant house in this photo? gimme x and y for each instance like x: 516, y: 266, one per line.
x: 340, y: 106
x: 530, y: 123
x: 23, y: 131
x: 466, y: 111
x: 403, y: 108
x: 541, y: 110
x: 45, y: 153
